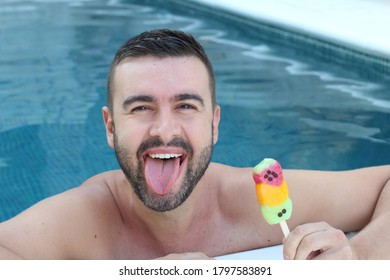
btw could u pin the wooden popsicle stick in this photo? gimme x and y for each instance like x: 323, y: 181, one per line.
x: 285, y: 228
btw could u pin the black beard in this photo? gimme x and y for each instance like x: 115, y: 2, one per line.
x: 136, y: 176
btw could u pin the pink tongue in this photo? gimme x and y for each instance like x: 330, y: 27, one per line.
x: 161, y: 174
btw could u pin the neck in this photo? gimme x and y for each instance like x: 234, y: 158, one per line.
x: 180, y: 230
x: 183, y: 229
x: 175, y: 222
x: 169, y: 226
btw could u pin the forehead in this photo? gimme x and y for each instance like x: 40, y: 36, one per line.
x: 161, y: 77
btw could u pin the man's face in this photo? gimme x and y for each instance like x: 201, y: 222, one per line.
x: 163, y: 127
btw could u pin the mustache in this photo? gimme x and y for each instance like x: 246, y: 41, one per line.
x: 157, y: 142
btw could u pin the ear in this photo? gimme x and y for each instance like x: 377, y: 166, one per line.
x: 216, y: 119
x: 109, y: 123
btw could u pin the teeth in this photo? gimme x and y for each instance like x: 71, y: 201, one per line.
x: 165, y: 156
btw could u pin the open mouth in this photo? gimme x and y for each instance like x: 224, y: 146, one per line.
x: 162, y: 169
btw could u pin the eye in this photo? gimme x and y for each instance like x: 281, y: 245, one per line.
x: 140, y: 109
x: 186, y: 106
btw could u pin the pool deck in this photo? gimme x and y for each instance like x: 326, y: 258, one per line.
x: 362, y: 25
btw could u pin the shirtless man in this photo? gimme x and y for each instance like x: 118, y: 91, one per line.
x: 169, y: 201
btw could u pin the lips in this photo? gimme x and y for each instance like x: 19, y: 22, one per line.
x: 162, y: 168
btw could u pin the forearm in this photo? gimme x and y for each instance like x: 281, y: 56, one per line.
x: 7, y: 254
x: 372, y: 242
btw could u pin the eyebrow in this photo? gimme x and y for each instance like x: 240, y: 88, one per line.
x: 189, y: 96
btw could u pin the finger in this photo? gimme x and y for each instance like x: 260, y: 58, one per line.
x: 340, y: 253
x: 322, y: 245
x: 296, y: 236
x: 312, y: 245
x: 343, y: 250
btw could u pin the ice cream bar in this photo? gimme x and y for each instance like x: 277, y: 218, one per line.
x: 272, y: 193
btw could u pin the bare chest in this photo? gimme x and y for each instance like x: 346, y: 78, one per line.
x: 212, y: 238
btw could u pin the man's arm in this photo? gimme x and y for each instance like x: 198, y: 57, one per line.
x: 26, y: 235
x: 372, y: 242
x: 59, y: 227
x: 357, y: 200
x: 7, y: 254
x: 39, y: 232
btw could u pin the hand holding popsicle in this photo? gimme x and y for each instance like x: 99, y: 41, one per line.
x: 272, y: 193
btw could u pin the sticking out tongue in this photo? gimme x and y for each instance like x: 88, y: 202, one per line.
x: 161, y: 174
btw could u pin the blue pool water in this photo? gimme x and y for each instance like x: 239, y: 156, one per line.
x: 277, y: 100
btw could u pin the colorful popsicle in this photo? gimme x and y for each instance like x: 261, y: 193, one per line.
x: 272, y: 193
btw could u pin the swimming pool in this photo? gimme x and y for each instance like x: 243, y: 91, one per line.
x: 278, y: 100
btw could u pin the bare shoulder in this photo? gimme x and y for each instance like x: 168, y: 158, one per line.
x: 237, y: 202
x: 68, y: 225
x: 235, y: 188
x: 230, y: 179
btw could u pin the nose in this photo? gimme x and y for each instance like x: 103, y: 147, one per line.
x: 165, y: 126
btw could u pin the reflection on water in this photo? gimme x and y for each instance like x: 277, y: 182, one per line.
x: 276, y: 102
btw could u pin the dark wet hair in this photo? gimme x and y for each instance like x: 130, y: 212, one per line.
x: 160, y: 43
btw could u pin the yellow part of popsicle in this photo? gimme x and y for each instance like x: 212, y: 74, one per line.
x: 271, y: 195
